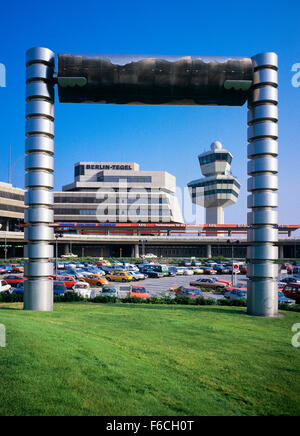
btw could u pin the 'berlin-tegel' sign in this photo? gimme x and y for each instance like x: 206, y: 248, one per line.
x: 108, y: 167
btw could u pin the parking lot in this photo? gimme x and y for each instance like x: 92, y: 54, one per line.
x: 157, y: 287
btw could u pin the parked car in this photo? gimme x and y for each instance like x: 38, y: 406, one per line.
x: 58, y: 288
x: 243, y: 269
x: 152, y: 274
x: 95, y: 280
x: 292, y: 291
x: 70, y: 255
x: 139, y: 292
x: 172, y: 271
x: 221, y: 269
x: 284, y: 300
x: 13, y: 279
x: 149, y: 256
x: 7, y: 268
x: 18, y: 269
x: 119, y: 276
x: 69, y: 281
x: 189, y: 292
x: 82, y: 289
x: 236, y: 294
x: 5, y: 287
x: 110, y: 291
x: 198, y: 271
x: 287, y: 266
x: 136, y: 275
x: 188, y: 272
x: 185, y: 263
x: 196, y: 263
x: 290, y: 280
x: 209, y: 271
x: 209, y: 283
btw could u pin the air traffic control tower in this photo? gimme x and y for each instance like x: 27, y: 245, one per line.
x: 218, y: 188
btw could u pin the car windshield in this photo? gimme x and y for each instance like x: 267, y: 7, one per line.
x: 192, y: 292
x: 139, y: 290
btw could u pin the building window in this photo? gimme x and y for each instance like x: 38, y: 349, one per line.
x: 213, y: 157
x: 79, y: 170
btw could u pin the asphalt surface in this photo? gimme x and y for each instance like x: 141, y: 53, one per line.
x: 157, y: 287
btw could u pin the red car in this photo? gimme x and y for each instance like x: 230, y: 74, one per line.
x: 243, y: 269
x: 210, y: 271
x: 227, y: 282
x: 69, y: 281
x: 13, y: 279
x: 292, y: 290
x: 139, y: 292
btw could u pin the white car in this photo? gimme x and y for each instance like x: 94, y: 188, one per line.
x: 82, y: 289
x: 188, y: 272
x: 136, y: 275
x: 71, y: 255
x: 150, y: 256
x: 180, y: 271
x: 5, y: 287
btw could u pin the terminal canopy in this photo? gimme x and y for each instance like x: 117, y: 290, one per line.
x: 170, y: 80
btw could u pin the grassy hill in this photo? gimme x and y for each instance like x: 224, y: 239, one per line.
x: 87, y: 359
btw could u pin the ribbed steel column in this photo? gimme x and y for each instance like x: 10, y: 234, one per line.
x: 39, y: 178
x: 263, y: 185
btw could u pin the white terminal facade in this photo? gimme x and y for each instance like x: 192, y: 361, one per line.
x: 118, y: 192
x: 218, y: 188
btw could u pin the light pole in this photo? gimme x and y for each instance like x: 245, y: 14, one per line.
x: 57, y: 235
x: 5, y: 247
x: 232, y: 258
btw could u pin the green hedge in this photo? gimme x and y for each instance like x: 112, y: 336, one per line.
x: 179, y: 300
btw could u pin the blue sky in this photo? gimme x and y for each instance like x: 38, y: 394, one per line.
x: 158, y: 138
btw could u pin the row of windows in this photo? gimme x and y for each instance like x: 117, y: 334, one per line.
x: 106, y: 199
x: 132, y: 190
x: 11, y: 196
x: 217, y: 191
x: 93, y: 212
x: 213, y: 157
x: 9, y: 208
x: 129, y: 179
x: 215, y: 182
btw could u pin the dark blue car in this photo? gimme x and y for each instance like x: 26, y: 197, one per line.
x: 59, y: 288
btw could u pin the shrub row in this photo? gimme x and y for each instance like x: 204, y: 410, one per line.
x: 180, y: 300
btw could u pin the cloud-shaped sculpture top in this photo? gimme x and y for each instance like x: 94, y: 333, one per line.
x: 216, y: 145
x: 137, y: 79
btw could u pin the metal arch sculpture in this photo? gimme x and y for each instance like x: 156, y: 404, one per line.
x: 170, y: 80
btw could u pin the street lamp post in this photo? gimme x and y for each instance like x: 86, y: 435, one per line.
x: 57, y: 235
x: 232, y: 258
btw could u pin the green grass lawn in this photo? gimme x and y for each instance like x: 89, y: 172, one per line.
x: 88, y: 359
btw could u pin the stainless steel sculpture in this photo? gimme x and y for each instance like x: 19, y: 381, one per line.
x: 263, y: 185
x: 171, y: 80
x: 168, y: 80
x: 39, y: 179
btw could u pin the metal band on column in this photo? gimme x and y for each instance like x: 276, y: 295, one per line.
x: 39, y: 179
x: 263, y: 185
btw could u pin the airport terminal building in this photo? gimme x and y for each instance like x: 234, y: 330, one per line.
x: 117, y: 192
x: 11, y: 206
